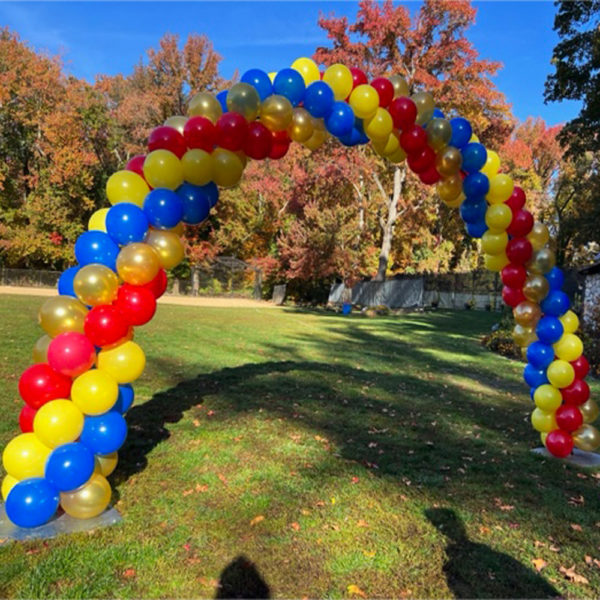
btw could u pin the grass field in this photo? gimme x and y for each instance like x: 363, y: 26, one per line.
x: 310, y: 455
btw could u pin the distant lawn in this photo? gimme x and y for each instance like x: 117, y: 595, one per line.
x: 344, y: 457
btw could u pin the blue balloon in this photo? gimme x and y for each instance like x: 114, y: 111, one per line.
x: 69, y: 466
x: 532, y: 393
x: 473, y: 210
x: 533, y: 376
x: 125, y: 398
x: 212, y: 193
x: 437, y: 114
x: 196, y: 204
x: 549, y: 330
x: 474, y: 156
x: 360, y: 127
x: 126, y: 222
x: 340, y: 120
x: 289, y: 83
x: 477, y: 229
x: 105, y: 433
x: 556, y: 303
x: 461, y: 132
x: 31, y: 502
x: 476, y: 185
x: 222, y: 98
x: 163, y: 208
x: 96, y: 247
x: 65, y: 282
x: 260, y: 81
x: 353, y: 138
x: 555, y: 278
x: 318, y: 99
x: 540, y: 355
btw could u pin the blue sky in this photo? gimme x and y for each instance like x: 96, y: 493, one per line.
x: 110, y: 37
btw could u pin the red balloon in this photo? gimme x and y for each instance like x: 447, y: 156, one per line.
x: 40, y: 383
x: 403, y: 112
x: 577, y: 393
x: 519, y: 250
x: 258, y: 141
x: 430, y: 176
x: 158, y: 285
x: 413, y: 139
x: 71, y: 354
x: 167, y: 138
x: 231, y: 131
x: 26, y: 417
x: 280, y: 144
x: 385, y: 89
x: 514, y: 275
x: 516, y: 200
x: 568, y: 417
x: 136, y: 304
x: 521, y: 224
x: 559, y: 443
x: 104, y: 325
x: 199, y: 132
x: 581, y: 366
x: 512, y: 296
x: 358, y: 77
x: 422, y: 160
x: 136, y: 164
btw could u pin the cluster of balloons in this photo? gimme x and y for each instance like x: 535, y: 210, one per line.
x: 76, y: 393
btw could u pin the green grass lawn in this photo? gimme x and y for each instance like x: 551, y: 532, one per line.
x: 343, y: 457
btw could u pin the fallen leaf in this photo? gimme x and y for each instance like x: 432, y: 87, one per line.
x: 196, y: 423
x: 596, y: 562
x: 201, y: 488
x: 222, y: 478
x: 501, y: 506
x: 354, y: 590
x: 210, y: 413
x: 576, y: 527
x: 572, y: 576
x: 257, y: 520
x: 484, y: 530
x: 539, y: 564
x: 362, y: 523
x: 355, y: 480
x: 588, y: 559
x: 538, y: 544
x: 369, y: 553
x: 295, y: 526
x: 554, y: 548
x: 129, y: 573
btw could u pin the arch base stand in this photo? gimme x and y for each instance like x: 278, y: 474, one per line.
x: 56, y: 526
x: 579, y: 458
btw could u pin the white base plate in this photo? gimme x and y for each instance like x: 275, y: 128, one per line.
x: 579, y: 458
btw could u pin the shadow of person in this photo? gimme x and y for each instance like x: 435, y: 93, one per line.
x: 241, y: 579
x: 476, y: 571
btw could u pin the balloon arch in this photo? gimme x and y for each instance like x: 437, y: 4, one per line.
x: 79, y: 388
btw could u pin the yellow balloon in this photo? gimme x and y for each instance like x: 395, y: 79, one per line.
x: 58, y: 422
x: 162, y: 169
x: 105, y: 464
x: 586, y: 438
x: 547, y: 398
x: 589, y: 411
x: 569, y: 347
x: 570, y: 322
x: 60, y: 314
x: 301, y: 128
x: 538, y: 236
x: 560, y: 373
x: 127, y: 186
x: 176, y: 122
x: 206, y: 105
x: 40, y: 349
x: 439, y: 132
x: 25, y: 456
x: 495, y: 262
x: 308, y: 69
x: 364, y: 101
x: 536, y: 288
x: 494, y: 242
x: 276, y: 113
x: 124, y: 363
x: 527, y: 313
x: 492, y: 164
x: 498, y: 217
x: 94, y: 392
x: 388, y: 146
x: 473, y: 138
x: 400, y: 86
x: 425, y: 106
x: 168, y: 245
x: 339, y: 78
x: 543, y: 436
x: 398, y: 156
x: 138, y: 263
x: 272, y: 76
x: 227, y: 168
x: 380, y: 125
x: 89, y: 500
x: 501, y: 187
x: 197, y: 166
x: 97, y: 221
x: 542, y: 261
x: 543, y: 421
x: 96, y: 284
x: 523, y: 336
x: 448, y: 161
x: 243, y: 98
x: 8, y: 483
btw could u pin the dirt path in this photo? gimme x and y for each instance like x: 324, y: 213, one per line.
x: 181, y: 300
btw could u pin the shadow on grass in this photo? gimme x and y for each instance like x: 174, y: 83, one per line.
x: 241, y: 579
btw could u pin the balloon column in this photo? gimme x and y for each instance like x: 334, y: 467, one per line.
x: 76, y: 393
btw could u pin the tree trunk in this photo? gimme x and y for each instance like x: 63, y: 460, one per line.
x: 195, y: 280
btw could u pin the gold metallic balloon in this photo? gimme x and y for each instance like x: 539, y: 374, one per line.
x: 176, y: 122
x: 387, y: 147
x: 589, y: 411
x: 542, y: 261
x: 400, y: 86
x: 439, y: 132
x: 527, y: 313
x: 227, y: 168
x: 105, y: 464
x: 197, y: 166
x: 523, y: 336
x: 138, y: 263
x: 243, y: 98
x: 206, y: 105
x: 538, y: 236
x: 301, y: 128
x: 96, y: 284
x: 89, y: 500
x: 586, y: 438
x: 450, y: 188
x: 168, y: 246
x: 40, y: 349
x: 448, y: 161
x: 319, y: 135
x: 276, y: 113
x: 536, y: 288
x: 425, y: 106
x: 60, y: 314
